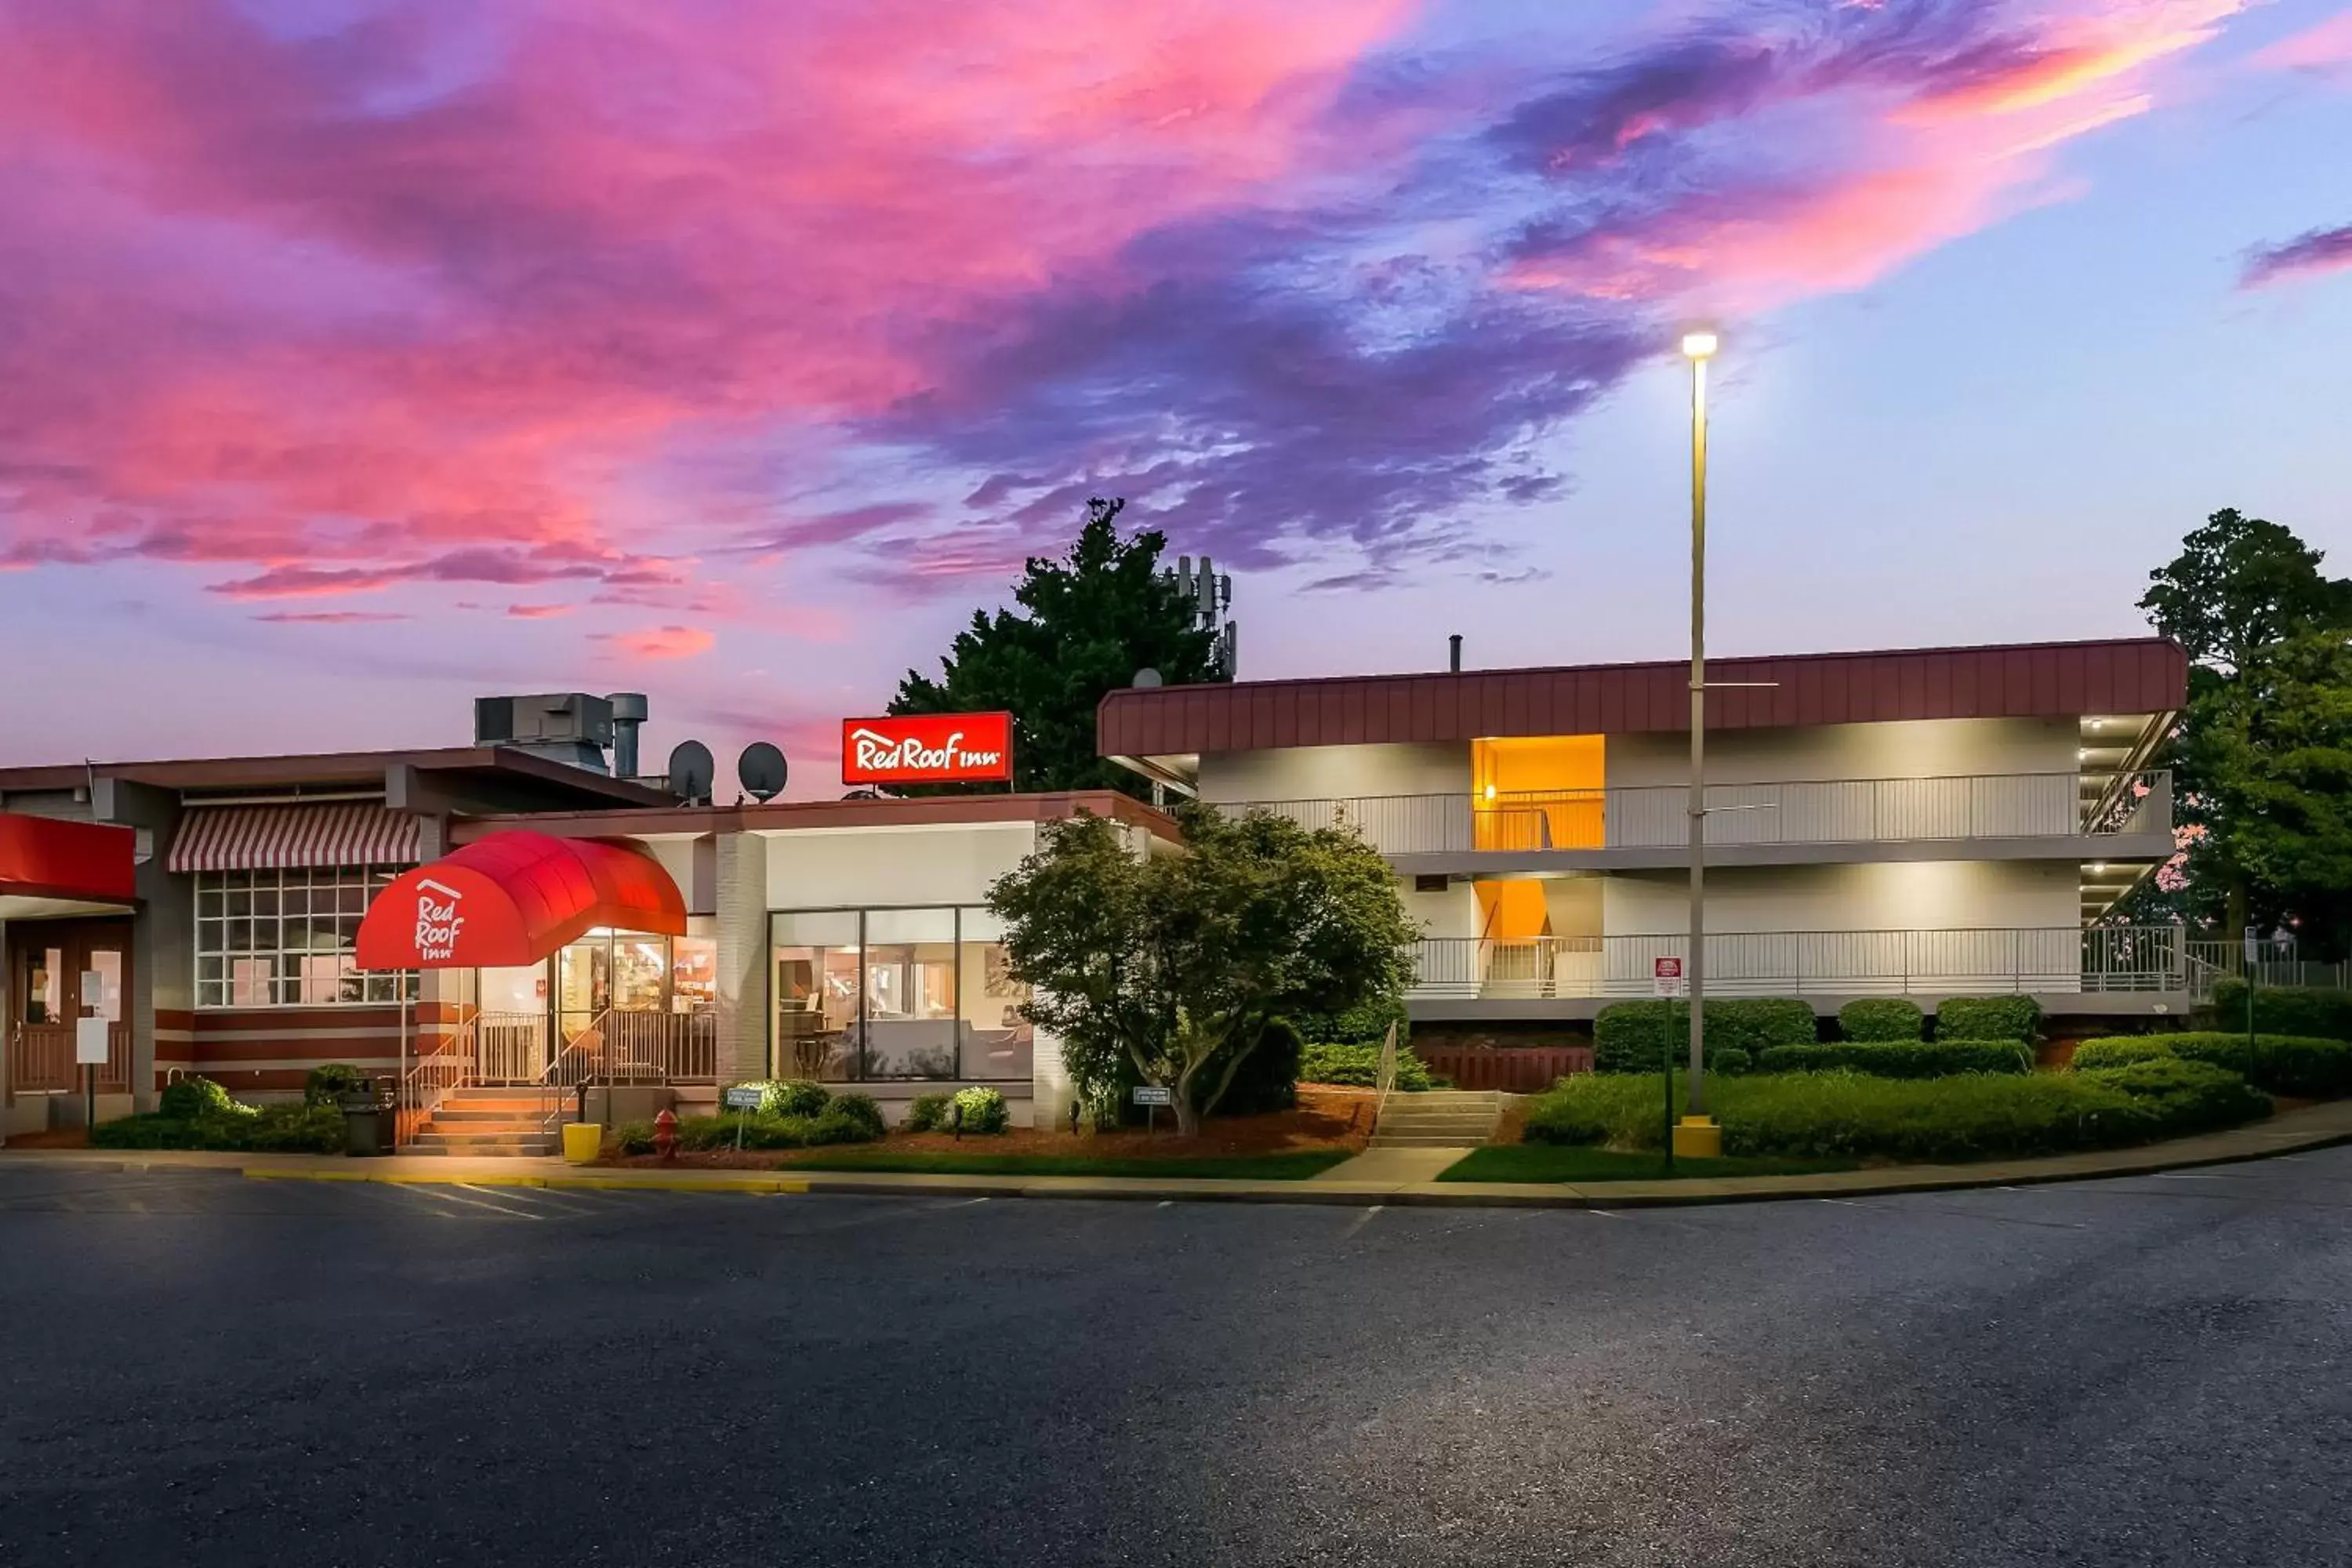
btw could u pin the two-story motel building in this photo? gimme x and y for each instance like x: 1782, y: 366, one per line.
x: 1924, y: 822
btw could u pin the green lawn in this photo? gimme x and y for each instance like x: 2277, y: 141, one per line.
x: 1231, y: 1167
x: 1565, y: 1163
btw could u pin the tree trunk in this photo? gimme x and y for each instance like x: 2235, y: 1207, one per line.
x: 1188, y: 1119
x: 2233, y: 911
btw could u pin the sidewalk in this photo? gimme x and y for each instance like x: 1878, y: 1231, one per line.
x: 2312, y: 1127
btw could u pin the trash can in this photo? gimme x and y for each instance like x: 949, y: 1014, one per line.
x: 370, y: 1127
x: 582, y: 1142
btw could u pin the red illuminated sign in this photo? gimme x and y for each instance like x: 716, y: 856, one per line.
x: 928, y: 748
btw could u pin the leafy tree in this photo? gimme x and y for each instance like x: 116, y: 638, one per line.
x: 1087, y: 622
x: 2240, y: 583
x: 1173, y: 963
x: 2252, y: 754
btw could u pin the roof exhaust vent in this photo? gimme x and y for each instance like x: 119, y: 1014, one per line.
x: 1454, y: 653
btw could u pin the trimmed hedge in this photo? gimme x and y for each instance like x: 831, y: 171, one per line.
x: 2282, y: 1064
x: 1988, y: 1019
x: 2311, y: 1012
x: 270, y: 1129
x: 1367, y: 1022
x: 1629, y: 1036
x: 329, y: 1083
x: 927, y: 1112
x: 1903, y: 1059
x: 1343, y: 1062
x: 1973, y: 1116
x: 1881, y: 1019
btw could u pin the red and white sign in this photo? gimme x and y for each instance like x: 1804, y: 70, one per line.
x: 1666, y: 977
x: 928, y: 748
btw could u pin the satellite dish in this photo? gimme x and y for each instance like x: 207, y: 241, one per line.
x: 762, y: 768
x: 691, y: 770
x: 1147, y: 678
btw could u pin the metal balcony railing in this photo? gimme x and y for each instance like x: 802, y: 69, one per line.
x: 1811, y: 811
x: 1798, y: 963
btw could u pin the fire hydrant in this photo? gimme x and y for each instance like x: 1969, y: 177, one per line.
x: 666, y: 1135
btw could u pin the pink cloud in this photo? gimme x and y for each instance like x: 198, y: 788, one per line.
x: 330, y: 617
x: 1926, y: 156
x: 537, y: 612
x: 659, y: 642
x: 2323, y: 50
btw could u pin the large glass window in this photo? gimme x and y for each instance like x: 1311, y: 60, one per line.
x: 896, y: 994
x: 285, y: 939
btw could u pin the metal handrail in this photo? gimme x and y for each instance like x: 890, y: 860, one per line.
x: 1385, y: 1079
x: 1794, y: 811
x: 432, y: 1080
x: 2144, y: 959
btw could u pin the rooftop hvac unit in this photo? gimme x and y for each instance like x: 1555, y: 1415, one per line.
x: 565, y: 726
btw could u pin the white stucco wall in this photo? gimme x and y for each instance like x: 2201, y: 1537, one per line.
x: 868, y: 868
x: 1453, y: 912
x: 1324, y: 772
x: 1933, y: 748
x: 1906, y: 894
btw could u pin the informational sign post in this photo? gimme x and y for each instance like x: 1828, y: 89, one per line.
x: 1151, y: 1097
x: 743, y: 1099
x: 1666, y: 977
x: 90, y: 1054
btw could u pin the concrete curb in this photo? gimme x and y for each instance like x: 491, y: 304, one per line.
x: 2295, y: 1132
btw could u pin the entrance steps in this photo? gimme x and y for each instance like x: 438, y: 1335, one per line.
x: 1439, y: 1119
x: 487, y: 1121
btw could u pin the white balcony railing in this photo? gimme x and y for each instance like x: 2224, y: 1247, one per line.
x: 1798, y: 964
x: 1813, y: 811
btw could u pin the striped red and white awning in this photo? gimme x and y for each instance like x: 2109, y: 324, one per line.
x: 280, y: 838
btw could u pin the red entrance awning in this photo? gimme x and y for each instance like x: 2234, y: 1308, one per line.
x: 512, y: 898
x: 47, y: 857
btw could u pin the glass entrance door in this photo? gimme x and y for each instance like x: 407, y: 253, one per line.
x: 583, y: 985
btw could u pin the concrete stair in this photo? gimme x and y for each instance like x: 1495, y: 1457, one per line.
x: 488, y: 1122
x: 1440, y: 1118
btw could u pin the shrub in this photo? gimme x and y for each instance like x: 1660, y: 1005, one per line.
x: 632, y: 1138
x: 856, y: 1110
x: 787, y: 1095
x: 329, y: 1083
x: 2312, y: 1012
x: 927, y: 1112
x: 185, y: 1098
x: 985, y: 1110
x: 1846, y: 1115
x: 1267, y: 1078
x: 292, y: 1130
x: 1360, y: 1065
x: 2282, y: 1064
x: 1988, y: 1019
x: 1903, y: 1059
x: 1367, y: 1022
x: 1631, y: 1037
x: 1881, y: 1018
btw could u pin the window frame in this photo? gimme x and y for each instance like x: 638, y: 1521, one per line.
x: 228, y: 928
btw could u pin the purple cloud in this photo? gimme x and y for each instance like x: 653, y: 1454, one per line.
x: 2307, y: 255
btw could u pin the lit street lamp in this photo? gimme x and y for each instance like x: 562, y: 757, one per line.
x: 1697, y: 1136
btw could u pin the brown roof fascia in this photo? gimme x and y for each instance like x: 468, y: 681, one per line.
x: 943, y: 810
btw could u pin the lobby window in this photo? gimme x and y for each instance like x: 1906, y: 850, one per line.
x: 920, y: 994
x: 286, y: 937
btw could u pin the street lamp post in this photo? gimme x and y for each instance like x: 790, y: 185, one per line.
x: 1698, y: 1136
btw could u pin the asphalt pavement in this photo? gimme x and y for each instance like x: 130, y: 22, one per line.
x: 206, y: 1370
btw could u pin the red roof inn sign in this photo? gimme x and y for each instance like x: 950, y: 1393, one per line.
x: 928, y: 748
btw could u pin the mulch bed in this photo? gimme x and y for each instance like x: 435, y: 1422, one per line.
x: 54, y: 1138
x: 1327, y: 1117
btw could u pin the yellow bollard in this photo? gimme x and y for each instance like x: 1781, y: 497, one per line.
x: 583, y: 1140
x: 1698, y: 1138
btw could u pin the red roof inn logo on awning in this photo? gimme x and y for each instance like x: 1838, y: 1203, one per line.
x: 928, y: 748
x: 438, y: 920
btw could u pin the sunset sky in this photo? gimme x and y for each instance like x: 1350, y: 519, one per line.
x: 358, y: 357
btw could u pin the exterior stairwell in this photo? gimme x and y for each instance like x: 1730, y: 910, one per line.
x: 1438, y: 1119
x: 487, y: 1122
